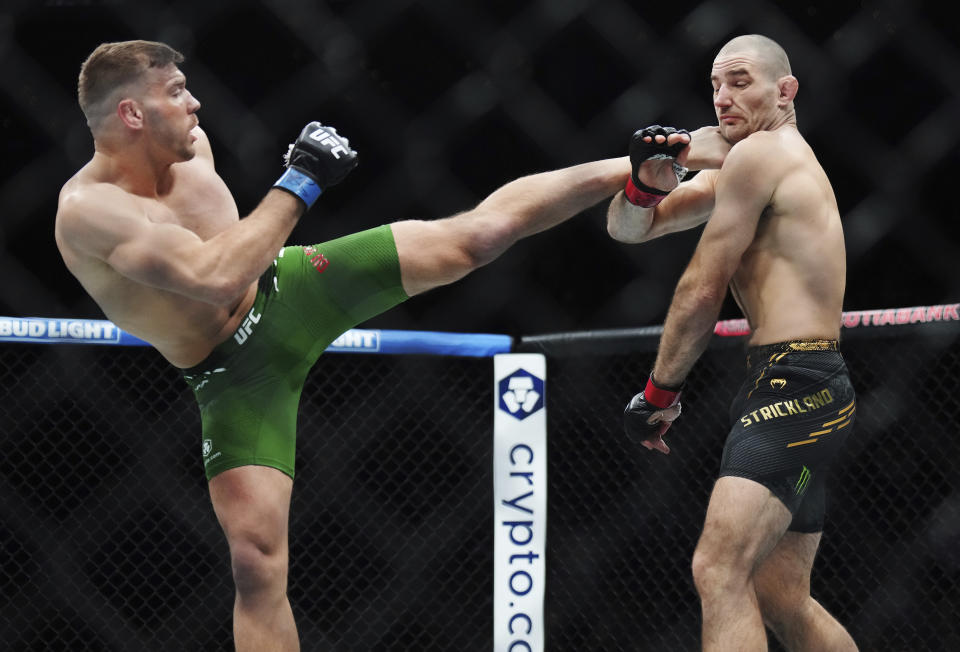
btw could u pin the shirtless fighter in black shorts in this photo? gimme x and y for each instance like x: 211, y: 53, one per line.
x: 774, y: 237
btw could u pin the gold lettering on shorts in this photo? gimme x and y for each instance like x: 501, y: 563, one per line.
x: 778, y: 409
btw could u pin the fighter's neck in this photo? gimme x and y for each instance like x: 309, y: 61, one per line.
x: 786, y: 119
x: 133, y: 170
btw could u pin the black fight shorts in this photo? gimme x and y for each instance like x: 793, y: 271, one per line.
x: 790, y: 420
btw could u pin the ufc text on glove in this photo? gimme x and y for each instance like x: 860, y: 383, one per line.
x: 319, y: 158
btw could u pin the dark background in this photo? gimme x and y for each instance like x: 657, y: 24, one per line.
x: 445, y: 101
x: 109, y: 543
x: 105, y: 526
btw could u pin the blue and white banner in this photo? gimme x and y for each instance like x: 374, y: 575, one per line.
x: 47, y: 330
x: 479, y: 345
x: 520, y: 501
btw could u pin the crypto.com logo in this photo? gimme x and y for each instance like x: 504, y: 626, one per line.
x: 521, y: 394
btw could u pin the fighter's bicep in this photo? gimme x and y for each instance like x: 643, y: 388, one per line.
x: 115, y: 231
x: 159, y: 255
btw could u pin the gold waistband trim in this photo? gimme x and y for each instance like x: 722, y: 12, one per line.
x: 766, y: 351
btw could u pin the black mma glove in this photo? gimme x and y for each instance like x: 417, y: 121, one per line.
x: 320, y: 158
x: 637, y: 192
x: 650, y: 413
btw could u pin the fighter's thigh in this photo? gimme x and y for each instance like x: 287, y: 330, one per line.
x: 744, y: 522
x: 338, y: 284
x: 252, y: 503
x: 431, y: 253
x: 782, y: 580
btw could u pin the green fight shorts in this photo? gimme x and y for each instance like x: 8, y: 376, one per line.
x: 248, y: 388
x: 791, y: 418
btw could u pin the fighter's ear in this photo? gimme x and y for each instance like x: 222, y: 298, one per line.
x: 788, y: 86
x: 130, y: 113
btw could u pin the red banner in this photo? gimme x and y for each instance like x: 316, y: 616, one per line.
x: 860, y: 318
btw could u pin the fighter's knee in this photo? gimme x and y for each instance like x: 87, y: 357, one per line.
x: 257, y: 569
x: 487, y: 234
x: 706, y: 571
x: 716, y: 571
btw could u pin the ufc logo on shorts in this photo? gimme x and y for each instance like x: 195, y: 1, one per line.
x: 246, y: 328
x: 325, y: 138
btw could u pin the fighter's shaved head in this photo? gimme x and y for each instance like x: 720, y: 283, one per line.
x: 770, y: 55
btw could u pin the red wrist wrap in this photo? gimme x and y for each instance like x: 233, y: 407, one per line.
x: 642, y: 198
x: 659, y: 397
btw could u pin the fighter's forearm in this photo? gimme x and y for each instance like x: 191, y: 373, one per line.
x: 627, y: 222
x: 689, y: 325
x: 237, y: 257
x: 318, y: 159
x: 687, y: 205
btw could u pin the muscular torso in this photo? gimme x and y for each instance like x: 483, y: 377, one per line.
x: 184, y: 330
x: 791, y: 279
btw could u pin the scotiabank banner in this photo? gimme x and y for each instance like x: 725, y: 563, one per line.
x: 520, y: 501
x: 949, y: 312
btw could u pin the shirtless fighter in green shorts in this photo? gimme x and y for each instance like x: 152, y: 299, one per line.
x: 154, y: 235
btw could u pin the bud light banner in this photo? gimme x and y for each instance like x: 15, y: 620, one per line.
x: 520, y: 501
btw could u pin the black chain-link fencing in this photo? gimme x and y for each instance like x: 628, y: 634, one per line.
x: 110, y: 542
x: 445, y: 101
x: 623, y: 522
x: 108, y: 537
